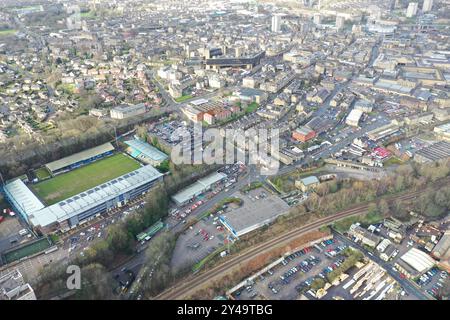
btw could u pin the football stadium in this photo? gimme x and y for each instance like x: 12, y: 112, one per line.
x: 80, y: 187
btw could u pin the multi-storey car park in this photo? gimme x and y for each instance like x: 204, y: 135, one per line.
x: 113, y: 188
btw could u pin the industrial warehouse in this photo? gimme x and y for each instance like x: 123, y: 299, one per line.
x: 66, y: 200
x: 196, y: 189
x: 259, y: 208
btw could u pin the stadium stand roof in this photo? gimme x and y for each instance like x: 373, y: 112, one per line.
x: 80, y: 156
x: 146, y: 149
x: 418, y: 260
x: 22, y: 197
x: 90, y: 198
x: 198, y: 187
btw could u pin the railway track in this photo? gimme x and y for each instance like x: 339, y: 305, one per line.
x: 190, y: 285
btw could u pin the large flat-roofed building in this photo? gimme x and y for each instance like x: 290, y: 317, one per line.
x: 13, y: 287
x: 72, y: 211
x: 303, y: 134
x: 254, y: 213
x: 250, y: 95
x: 443, y: 131
x: 307, y: 184
x: 123, y: 112
x: 354, y: 117
x: 383, y: 131
x: 81, y: 158
x: 417, y: 260
x: 145, y: 152
x: 435, y: 152
x: 199, y: 187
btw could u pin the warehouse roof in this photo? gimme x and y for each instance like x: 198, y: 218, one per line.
x: 354, y: 115
x: 198, y: 187
x: 304, y: 130
x: 418, y: 259
x: 80, y: 156
x: 437, y: 151
x: 147, y: 150
x: 88, y: 199
x: 309, y: 180
x: 443, y: 245
x: 254, y: 213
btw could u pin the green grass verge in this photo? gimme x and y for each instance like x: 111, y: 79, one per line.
x: 27, y: 250
x: 42, y: 173
x: 8, y: 32
x: 392, y: 161
x: 251, y: 107
x: 71, y: 183
x: 252, y: 186
x: 209, y: 257
x: 183, y: 98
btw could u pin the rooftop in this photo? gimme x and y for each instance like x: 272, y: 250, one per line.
x: 80, y: 156
x: 418, y: 259
x: 254, y: 213
x: 198, y: 187
x: 88, y: 199
x: 147, y: 150
x: 309, y: 180
x: 22, y: 197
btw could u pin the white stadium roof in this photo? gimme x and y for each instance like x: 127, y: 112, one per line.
x: 80, y: 156
x: 22, y: 197
x: 68, y: 208
x: 418, y: 259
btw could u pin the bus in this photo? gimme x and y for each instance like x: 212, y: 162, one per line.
x: 150, y: 232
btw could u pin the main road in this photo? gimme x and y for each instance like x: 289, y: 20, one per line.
x: 193, y: 283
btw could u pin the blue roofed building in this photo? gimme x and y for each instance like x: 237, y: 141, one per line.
x: 145, y: 152
x: 308, y: 183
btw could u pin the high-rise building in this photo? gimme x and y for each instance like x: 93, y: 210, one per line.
x: 427, y: 5
x: 412, y: 9
x: 276, y: 23
x: 340, y: 21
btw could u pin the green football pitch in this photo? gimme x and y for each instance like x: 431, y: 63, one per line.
x: 74, y: 182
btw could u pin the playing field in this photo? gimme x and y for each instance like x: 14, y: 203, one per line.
x: 74, y: 182
x: 42, y: 173
x: 27, y: 250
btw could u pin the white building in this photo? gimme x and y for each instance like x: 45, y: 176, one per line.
x: 276, y: 23
x: 13, y: 287
x: 427, y: 5
x: 354, y: 117
x: 123, y: 112
x: 340, y: 21
x: 412, y: 9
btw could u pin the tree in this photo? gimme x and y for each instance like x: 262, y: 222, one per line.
x: 383, y: 207
x: 158, y: 256
x: 119, y: 240
x: 96, y: 283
